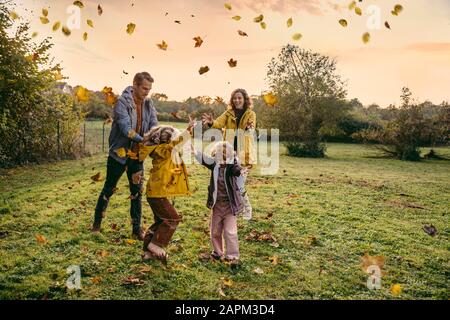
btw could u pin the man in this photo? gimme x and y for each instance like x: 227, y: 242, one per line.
x: 133, y: 116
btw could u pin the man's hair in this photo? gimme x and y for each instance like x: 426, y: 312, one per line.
x: 141, y: 76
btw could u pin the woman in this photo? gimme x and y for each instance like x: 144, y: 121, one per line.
x: 239, y: 122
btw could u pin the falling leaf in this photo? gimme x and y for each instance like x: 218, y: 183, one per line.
x: 227, y: 282
x: 358, y: 11
x: 130, y: 28
x: 56, y: 26
x: 343, y: 22
x: 175, y: 115
x: 430, y: 230
x: 177, y: 21
x: 121, y: 152
x: 366, y: 37
x: 96, y: 177
x: 242, y: 33
x: 34, y: 35
x: 387, y: 25
x: 66, y: 31
x: 13, y: 15
x: 396, y: 289
x: 289, y: 22
x: 219, y: 100
x: 232, y: 63
x: 263, y: 25
x: 398, y: 8
x: 163, y: 45
x: 41, y: 239
x: 228, y: 6
x: 96, y: 280
x: 44, y: 20
x: 297, y: 36
x: 130, y: 241
x: 258, y: 19
x: 270, y: 99
x: 198, y: 42
x: 237, y: 18
x: 78, y: 4
x: 124, y: 72
x: 352, y: 5
x: 100, y: 10
x: 45, y: 12
x: 90, y: 23
x: 203, y: 70
x: 274, y: 260
x: 85, y: 36
x: 82, y: 94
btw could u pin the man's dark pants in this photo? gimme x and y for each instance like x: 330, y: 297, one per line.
x: 135, y: 173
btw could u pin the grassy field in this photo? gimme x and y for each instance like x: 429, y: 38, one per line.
x: 319, y: 217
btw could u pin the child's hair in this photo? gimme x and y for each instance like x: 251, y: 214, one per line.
x: 224, y: 149
x: 162, y: 134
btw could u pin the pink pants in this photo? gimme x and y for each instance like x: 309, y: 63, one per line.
x: 224, y: 224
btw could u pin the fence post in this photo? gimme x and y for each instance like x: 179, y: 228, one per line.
x: 59, y: 138
x: 84, y: 137
x: 103, y: 138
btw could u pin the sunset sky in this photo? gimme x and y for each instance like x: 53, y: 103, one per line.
x: 415, y: 53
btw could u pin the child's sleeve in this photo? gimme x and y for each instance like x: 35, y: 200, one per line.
x: 204, y: 160
x: 144, y: 151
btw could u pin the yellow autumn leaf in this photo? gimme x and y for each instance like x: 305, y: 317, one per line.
x: 85, y: 36
x: 44, y: 12
x: 130, y: 241
x: 121, y: 152
x: 343, y: 22
x: 130, y: 28
x: 274, y: 260
x: 90, y: 23
x: 96, y: 280
x: 41, y: 239
x: 111, y: 99
x: 44, y: 20
x: 289, y: 22
x: 398, y: 8
x: 297, y: 36
x: 78, y: 4
x: 358, y: 11
x: 237, y: 18
x: 352, y: 5
x: 34, y: 35
x: 66, y: 31
x: 228, y: 6
x: 227, y: 282
x: 263, y: 25
x: 396, y: 289
x: 56, y: 26
x: 82, y: 94
x: 13, y: 15
x: 103, y: 253
x: 270, y: 99
x: 259, y: 18
x: 366, y: 37
x: 57, y: 75
x: 163, y: 45
x: 242, y: 33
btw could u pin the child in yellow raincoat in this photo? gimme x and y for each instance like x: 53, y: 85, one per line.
x: 168, y: 178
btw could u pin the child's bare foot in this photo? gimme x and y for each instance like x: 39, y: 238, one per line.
x: 157, y: 252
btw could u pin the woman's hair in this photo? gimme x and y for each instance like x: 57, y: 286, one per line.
x: 225, y: 149
x: 247, y: 100
x: 162, y: 134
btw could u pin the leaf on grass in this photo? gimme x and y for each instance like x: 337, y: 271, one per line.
x: 130, y: 28
x: 258, y: 270
x: 130, y: 241
x: 203, y: 70
x: 133, y: 281
x: 227, y: 282
x: 96, y: 280
x: 41, y: 239
x: 430, y: 230
x: 396, y: 289
x: 274, y: 260
x: 103, y: 253
x: 96, y: 177
x: 367, y: 261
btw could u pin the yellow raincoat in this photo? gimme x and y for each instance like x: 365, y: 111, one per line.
x: 168, y: 176
x: 227, y: 121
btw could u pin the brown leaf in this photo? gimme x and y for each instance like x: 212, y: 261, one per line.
x: 96, y: 177
x: 198, y: 42
x: 232, y: 63
x: 242, y: 33
x: 203, y: 70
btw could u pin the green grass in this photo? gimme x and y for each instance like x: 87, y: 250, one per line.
x: 324, y: 213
